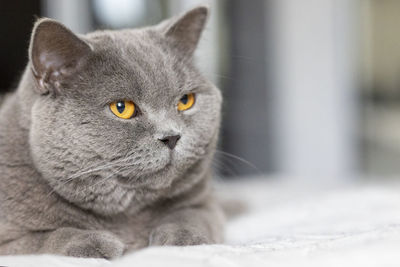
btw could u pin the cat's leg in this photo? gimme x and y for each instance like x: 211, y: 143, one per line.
x: 68, y: 242
x: 190, y: 226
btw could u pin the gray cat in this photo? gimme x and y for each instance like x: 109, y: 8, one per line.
x: 106, y: 145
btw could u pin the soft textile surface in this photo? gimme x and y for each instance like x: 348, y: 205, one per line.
x: 286, y: 225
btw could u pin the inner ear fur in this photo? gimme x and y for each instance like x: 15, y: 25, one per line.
x: 185, y: 31
x: 55, y: 53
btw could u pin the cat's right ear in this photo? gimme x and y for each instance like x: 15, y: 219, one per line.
x: 55, y: 54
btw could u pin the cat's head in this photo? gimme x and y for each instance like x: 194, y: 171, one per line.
x: 121, y: 114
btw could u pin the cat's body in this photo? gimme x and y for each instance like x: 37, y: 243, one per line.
x: 77, y: 180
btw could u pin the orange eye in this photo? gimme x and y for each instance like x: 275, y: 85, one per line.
x: 186, y: 102
x: 123, y: 109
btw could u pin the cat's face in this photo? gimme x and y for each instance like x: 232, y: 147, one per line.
x: 98, y: 160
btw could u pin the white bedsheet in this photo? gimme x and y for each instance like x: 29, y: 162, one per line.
x: 285, y: 225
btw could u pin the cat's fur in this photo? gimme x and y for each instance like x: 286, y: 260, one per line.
x: 77, y: 180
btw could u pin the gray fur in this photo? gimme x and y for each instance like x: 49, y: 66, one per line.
x: 75, y: 179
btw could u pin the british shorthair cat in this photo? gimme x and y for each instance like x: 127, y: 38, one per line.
x: 106, y: 144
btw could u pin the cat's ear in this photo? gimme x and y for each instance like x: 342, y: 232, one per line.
x: 185, y: 31
x: 55, y: 54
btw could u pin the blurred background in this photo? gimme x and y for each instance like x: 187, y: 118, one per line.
x: 312, y: 88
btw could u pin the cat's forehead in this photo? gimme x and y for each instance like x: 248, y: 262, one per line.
x: 137, y: 44
x: 139, y: 61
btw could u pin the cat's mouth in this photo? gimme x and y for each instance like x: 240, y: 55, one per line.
x: 146, y: 171
x: 137, y: 179
x: 165, y: 166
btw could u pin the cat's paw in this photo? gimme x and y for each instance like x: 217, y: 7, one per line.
x: 177, y: 235
x: 94, y: 244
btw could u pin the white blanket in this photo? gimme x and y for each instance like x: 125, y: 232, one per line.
x: 285, y: 225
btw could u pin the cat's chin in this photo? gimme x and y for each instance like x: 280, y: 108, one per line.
x: 157, y: 178
x: 146, y: 176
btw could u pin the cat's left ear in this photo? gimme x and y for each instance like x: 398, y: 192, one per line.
x: 184, y: 31
x: 55, y: 54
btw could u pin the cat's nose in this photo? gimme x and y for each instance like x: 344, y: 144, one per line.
x: 170, y: 141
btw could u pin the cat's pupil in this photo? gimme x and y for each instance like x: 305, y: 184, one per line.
x: 120, y: 106
x: 184, y: 99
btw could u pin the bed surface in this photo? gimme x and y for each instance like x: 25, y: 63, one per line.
x: 286, y: 224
